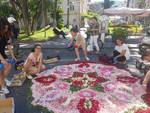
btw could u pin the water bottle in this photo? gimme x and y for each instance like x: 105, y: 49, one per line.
x: 1, y: 66
x: 11, y: 61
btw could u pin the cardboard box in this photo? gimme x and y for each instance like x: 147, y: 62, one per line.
x: 18, y: 80
x: 51, y: 60
x: 7, y: 105
x: 2, y: 96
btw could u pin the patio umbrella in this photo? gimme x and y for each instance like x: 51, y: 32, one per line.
x: 125, y: 11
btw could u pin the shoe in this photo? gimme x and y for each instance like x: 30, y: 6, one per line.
x: 29, y: 77
x: 8, y: 83
x: 5, y: 90
x: 77, y: 59
x: 87, y: 58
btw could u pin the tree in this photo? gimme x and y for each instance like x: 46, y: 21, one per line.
x: 32, y: 12
x: 20, y: 7
x: 5, y: 9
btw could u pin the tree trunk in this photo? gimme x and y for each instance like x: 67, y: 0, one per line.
x: 35, y: 18
x: 26, y: 17
x: 55, y: 13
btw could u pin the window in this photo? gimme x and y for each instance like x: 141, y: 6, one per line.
x: 71, y: 7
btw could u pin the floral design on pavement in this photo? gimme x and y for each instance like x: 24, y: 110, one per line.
x: 88, y: 88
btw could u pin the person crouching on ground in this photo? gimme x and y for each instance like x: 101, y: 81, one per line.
x: 146, y: 79
x: 79, y: 42
x: 5, y: 39
x: 121, y: 52
x: 34, y: 63
x: 146, y: 57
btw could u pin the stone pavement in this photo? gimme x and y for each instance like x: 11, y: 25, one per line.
x: 58, y: 47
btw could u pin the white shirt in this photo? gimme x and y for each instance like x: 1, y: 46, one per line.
x: 123, y: 47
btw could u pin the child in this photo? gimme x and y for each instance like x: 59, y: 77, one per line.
x: 34, y: 62
x: 121, y: 52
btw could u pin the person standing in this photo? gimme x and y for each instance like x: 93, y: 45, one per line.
x: 5, y: 37
x: 94, y: 31
x: 15, y: 31
x: 102, y: 30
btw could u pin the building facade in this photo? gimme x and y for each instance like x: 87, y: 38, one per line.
x: 76, y: 8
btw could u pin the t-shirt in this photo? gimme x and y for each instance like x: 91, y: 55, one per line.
x: 123, y: 47
x: 3, y: 43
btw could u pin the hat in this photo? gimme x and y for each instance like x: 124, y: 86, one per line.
x: 11, y: 20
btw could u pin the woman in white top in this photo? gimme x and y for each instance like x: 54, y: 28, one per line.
x: 34, y: 62
x: 121, y: 52
x: 146, y: 80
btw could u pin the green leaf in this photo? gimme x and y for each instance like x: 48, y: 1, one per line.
x: 74, y: 88
x: 98, y: 88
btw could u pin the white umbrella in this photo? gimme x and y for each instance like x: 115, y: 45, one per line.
x: 124, y: 11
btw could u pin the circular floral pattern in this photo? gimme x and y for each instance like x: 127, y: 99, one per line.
x: 88, y: 106
x: 87, y: 93
x: 61, y: 86
x: 109, y: 86
x: 86, y: 88
x: 127, y: 79
x: 63, y: 71
x: 46, y: 80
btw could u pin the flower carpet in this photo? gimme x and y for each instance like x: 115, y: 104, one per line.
x: 89, y: 88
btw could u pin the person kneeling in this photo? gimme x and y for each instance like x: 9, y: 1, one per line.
x: 146, y: 56
x: 34, y: 63
x: 121, y: 52
x: 146, y: 79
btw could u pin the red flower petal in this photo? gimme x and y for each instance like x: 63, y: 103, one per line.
x: 126, y: 79
x: 93, y: 109
x: 46, y: 80
x: 146, y: 98
x: 143, y: 110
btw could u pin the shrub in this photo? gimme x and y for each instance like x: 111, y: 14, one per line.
x: 119, y: 33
